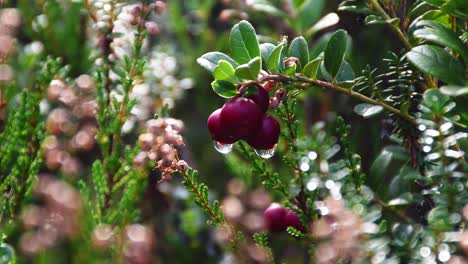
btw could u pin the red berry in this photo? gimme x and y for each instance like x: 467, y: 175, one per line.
x: 217, y: 131
x: 268, y: 134
x: 261, y: 98
x: 292, y: 219
x: 241, y: 117
x: 274, y: 217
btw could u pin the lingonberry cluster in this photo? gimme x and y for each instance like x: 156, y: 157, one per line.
x: 278, y: 219
x: 244, y: 118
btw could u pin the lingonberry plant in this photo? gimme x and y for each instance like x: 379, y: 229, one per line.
x: 336, y: 138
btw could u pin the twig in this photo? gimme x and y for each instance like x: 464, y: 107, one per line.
x: 402, y: 37
x: 312, y: 82
x: 393, y: 211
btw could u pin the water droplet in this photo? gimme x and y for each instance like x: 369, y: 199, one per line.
x: 266, y: 153
x: 305, y: 166
x: 222, y: 147
x: 312, y: 155
x: 313, y: 184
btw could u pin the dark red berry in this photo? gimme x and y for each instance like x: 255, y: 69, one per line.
x: 261, y: 98
x: 292, y: 219
x: 267, y: 135
x: 217, y: 131
x: 241, y: 117
x: 274, y: 217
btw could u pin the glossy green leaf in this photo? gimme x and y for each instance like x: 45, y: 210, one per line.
x: 355, y: 6
x: 210, y: 60
x: 438, y: 218
x: 290, y: 70
x: 435, y: 100
x: 7, y: 254
x: 457, y: 8
x: 436, y: 16
x: 224, y: 88
x: 438, y: 34
x: 378, y: 20
x: 265, y: 50
x: 244, y: 42
x: 335, y: 51
x: 225, y: 72
x: 309, y: 12
x: 367, y: 110
x: 273, y: 62
x: 345, y: 73
x: 310, y: 70
x: 418, y: 9
x: 249, y: 71
x: 266, y: 7
x: 437, y: 62
x: 454, y: 90
x: 300, y: 50
x: 378, y: 169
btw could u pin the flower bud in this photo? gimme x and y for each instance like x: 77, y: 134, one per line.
x: 160, y: 7
x: 152, y: 28
x: 182, y: 165
x: 146, y: 141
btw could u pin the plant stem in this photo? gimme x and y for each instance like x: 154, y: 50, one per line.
x: 401, y: 36
x: 204, y: 203
x: 350, y: 92
x: 393, y: 211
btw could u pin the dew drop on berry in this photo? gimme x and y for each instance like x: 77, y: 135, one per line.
x: 266, y: 153
x: 222, y: 147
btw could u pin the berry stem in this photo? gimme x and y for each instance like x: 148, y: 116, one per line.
x: 312, y: 82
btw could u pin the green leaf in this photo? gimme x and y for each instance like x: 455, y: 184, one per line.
x: 273, y: 62
x: 250, y: 70
x: 224, y: 88
x: 300, y: 50
x: 456, y: 8
x: 355, y: 6
x: 310, y: 70
x: 210, y: 60
x: 417, y: 10
x: 435, y: 100
x: 438, y: 34
x: 378, y: 20
x: 367, y: 110
x: 265, y: 6
x: 7, y: 254
x: 438, y: 218
x: 266, y: 49
x: 335, y: 51
x: 345, y: 74
x: 244, y: 42
x: 309, y: 12
x: 434, y: 16
x: 225, y: 72
x: 454, y: 91
x: 378, y: 169
x: 437, y: 62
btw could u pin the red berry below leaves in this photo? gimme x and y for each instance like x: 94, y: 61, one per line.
x: 267, y: 135
x: 217, y: 131
x: 292, y: 219
x: 274, y: 217
x: 261, y: 98
x: 240, y: 117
